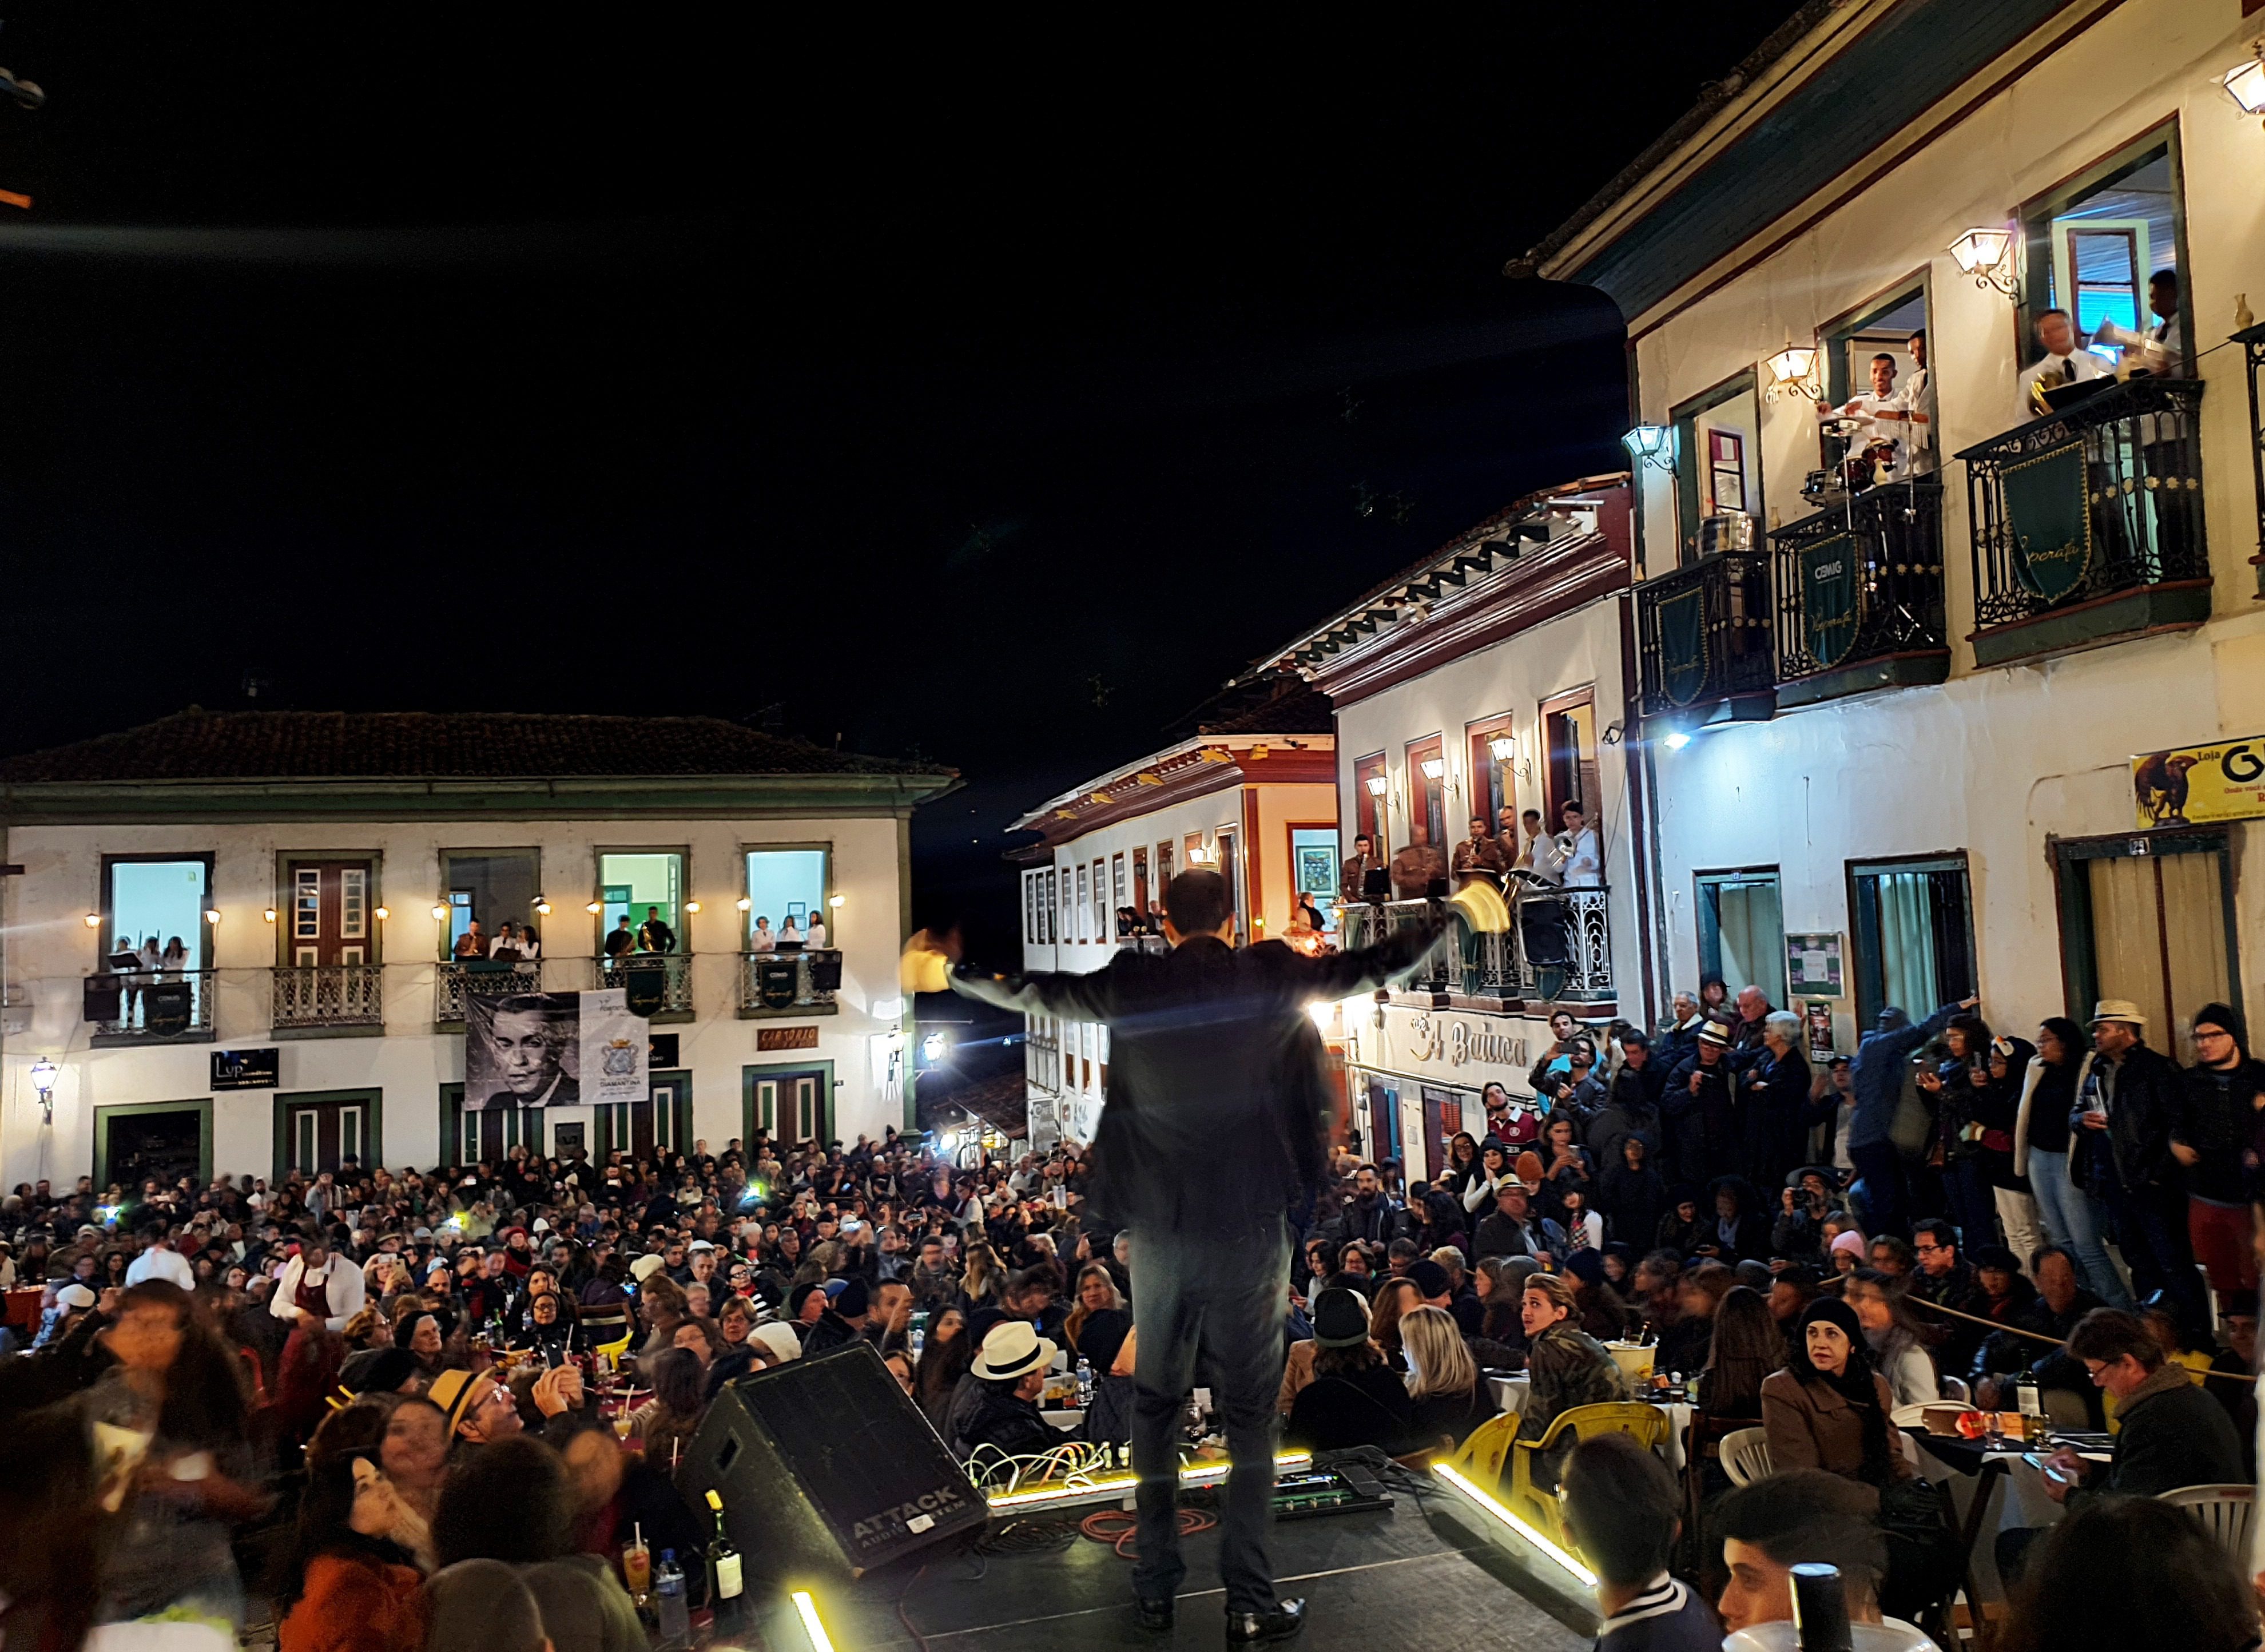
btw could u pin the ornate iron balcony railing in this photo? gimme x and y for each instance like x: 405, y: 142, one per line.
x: 1703, y: 633
x: 2102, y: 498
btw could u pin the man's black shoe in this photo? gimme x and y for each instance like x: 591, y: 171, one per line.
x: 1245, y: 1628
x: 1153, y: 1614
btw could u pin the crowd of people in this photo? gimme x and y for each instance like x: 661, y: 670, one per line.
x: 337, y: 1378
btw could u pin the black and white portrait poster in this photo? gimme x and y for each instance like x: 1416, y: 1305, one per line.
x: 553, y: 1050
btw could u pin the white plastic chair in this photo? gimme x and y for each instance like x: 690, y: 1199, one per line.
x: 1745, y: 1455
x: 2225, y: 1513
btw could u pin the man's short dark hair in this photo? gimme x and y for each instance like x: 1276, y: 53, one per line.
x: 2037, y: 1260
x: 1622, y: 1505
x: 1198, y: 903
x: 1808, y: 1513
x: 1940, y: 1230
x: 2108, y: 1335
x: 1362, y: 837
x: 2165, y: 278
x: 1884, y: 356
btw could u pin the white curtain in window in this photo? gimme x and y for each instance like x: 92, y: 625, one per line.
x: 2193, y: 928
x: 1907, y: 973
x: 1751, y: 923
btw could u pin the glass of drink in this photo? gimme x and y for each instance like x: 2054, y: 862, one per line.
x: 637, y: 1568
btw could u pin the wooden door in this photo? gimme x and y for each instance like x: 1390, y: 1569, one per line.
x: 330, y: 920
x: 657, y: 1123
x: 791, y: 1105
x: 320, y: 1136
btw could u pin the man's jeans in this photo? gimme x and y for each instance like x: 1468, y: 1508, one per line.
x: 1224, y: 1299
x: 2072, y: 1217
x: 1886, y: 1203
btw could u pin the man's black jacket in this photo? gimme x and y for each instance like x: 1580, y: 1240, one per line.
x: 1217, y: 1090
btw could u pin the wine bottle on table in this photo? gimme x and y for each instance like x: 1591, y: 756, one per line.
x: 727, y: 1584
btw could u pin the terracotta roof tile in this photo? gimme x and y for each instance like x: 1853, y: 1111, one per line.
x: 199, y: 745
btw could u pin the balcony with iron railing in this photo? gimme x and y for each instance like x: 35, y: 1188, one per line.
x: 2087, y: 523
x: 1858, y: 590
x: 174, y: 1007
x: 1704, y: 639
x: 658, y: 984
x: 489, y: 977
x: 790, y: 984
x: 327, y: 998
x: 1557, y: 949
x: 1143, y: 943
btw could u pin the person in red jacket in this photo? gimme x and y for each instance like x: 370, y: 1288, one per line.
x: 349, y: 1580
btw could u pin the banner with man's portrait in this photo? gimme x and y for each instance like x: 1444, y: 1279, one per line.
x: 553, y: 1050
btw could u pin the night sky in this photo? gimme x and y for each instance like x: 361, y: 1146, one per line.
x: 987, y: 397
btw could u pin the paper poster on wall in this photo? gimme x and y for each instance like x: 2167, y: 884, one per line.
x: 1812, y: 964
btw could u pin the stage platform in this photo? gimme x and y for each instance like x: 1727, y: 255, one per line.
x: 1423, y: 1572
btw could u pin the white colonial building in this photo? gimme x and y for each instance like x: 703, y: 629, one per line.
x: 1490, y: 678
x: 1898, y: 697
x: 1250, y: 795
x: 313, y: 877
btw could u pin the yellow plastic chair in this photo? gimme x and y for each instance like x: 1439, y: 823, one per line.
x: 1536, y: 1505
x: 614, y: 1351
x: 1485, y: 1449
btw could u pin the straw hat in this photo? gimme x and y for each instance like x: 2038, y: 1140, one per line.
x: 2118, y: 1009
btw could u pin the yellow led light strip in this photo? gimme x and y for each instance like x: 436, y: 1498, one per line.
x: 807, y: 1608
x: 1195, y: 1475
x: 1447, y: 1473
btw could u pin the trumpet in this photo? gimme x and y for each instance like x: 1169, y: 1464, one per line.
x: 2141, y: 354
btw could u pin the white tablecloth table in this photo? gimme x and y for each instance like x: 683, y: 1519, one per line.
x: 2017, y: 1498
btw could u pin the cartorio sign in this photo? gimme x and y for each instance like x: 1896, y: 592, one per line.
x: 2196, y: 785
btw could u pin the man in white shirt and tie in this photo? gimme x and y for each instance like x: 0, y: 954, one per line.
x: 2056, y: 334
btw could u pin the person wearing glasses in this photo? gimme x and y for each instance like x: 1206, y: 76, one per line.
x: 2217, y: 1136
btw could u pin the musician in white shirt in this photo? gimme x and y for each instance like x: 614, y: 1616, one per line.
x: 761, y: 939
x: 816, y: 936
x: 1885, y: 415
x: 1919, y: 396
x: 1580, y: 854
x: 2057, y: 336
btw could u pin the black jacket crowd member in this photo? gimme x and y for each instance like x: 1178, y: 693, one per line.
x: 1213, y: 1137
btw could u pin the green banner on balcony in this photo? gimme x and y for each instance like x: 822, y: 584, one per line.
x: 776, y: 984
x: 1683, y: 645
x: 1828, y: 597
x: 2047, y: 522
x: 646, y: 986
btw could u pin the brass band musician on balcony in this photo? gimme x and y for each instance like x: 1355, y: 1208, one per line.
x: 1357, y: 866
x: 1479, y: 857
x: 1415, y: 868
x: 1888, y: 426
x: 2062, y: 364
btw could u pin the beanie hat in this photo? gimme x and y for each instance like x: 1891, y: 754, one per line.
x: 1851, y: 1241
x: 1340, y: 1319
x: 1428, y: 1278
x: 854, y: 1300
x: 645, y: 1267
x: 2222, y: 1015
x: 386, y: 1372
x: 800, y: 1295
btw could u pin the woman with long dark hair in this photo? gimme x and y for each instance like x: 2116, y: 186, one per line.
x: 1745, y: 1348
x: 348, y: 1579
x: 944, y: 1361
x: 178, y: 1383
x: 1829, y: 1409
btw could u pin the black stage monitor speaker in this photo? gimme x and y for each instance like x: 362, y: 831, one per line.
x: 825, y: 1464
